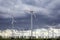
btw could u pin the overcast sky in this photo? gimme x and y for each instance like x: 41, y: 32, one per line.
x: 46, y: 13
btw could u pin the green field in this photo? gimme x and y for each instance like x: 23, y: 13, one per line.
x: 29, y: 38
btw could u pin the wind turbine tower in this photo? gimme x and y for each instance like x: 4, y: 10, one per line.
x: 31, y: 23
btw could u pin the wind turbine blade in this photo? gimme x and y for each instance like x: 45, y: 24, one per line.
x: 34, y: 15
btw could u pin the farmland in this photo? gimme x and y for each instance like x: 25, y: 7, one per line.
x: 29, y: 38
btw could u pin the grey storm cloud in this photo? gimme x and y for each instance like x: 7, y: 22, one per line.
x: 47, y: 12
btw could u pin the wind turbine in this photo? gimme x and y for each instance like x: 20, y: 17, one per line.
x: 12, y: 26
x: 53, y: 34
x: 48, y: 30
x: 32, y: 13
x: 52, y: 28
x: 12, y: 22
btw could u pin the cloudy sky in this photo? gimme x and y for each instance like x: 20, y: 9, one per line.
x: 46, y: 13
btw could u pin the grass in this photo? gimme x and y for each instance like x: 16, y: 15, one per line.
x: 29, y: 38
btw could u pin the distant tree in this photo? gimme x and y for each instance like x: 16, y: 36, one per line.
x: 0, y: 37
